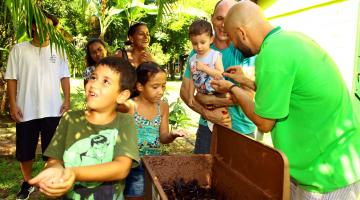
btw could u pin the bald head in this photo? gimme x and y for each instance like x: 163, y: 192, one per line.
x: 217, y: 19
x: 246, y: 26
x: 227, y: 4
x: 244, y: 13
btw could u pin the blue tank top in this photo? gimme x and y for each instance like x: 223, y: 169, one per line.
x: 148, y: 133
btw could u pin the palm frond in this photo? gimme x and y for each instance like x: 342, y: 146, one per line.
x: 23, y: 13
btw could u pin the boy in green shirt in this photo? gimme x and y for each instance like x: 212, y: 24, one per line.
x: 92, y: 151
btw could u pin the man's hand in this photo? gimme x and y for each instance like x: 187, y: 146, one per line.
x: 221, y: 86
x: 219, y: 116
x: 235, y: 73
x: 15, y: 113
x: 64, y: 107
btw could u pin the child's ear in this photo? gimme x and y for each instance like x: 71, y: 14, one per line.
x: 212, y: 39
x: 123, y: 96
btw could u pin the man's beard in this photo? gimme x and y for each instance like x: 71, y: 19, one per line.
x: 246, y: 51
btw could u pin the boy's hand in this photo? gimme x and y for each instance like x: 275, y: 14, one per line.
x: 58, y: 187
x: 221, y: 86
x: 200, y: 66
x: 15, y: 113
x: 64, y: 107
x: 48, y: 175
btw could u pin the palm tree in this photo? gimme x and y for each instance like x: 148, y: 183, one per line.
x: 23, y: 11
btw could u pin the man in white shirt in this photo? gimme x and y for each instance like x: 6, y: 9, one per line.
x: 34, y: 75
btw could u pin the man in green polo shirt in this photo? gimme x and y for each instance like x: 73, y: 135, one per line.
x: 302, y: 99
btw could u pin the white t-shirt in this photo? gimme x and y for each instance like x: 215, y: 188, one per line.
x: 38, y: 72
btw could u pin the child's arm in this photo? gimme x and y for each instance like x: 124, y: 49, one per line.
x: 166, y: 136
x: 55, y: 180
x: 65, y: 85
x: 115, y: 170
x: 216, y: 72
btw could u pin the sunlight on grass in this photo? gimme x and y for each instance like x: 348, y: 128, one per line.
x: 10, y: 184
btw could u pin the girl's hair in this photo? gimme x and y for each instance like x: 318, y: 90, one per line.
x: 89, y: 60
x: 145, y: 71
x: 199, y: 27
x: 132, y: 30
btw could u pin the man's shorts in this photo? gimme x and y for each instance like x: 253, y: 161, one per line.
x: 27, y: 136
x: 135, y: 183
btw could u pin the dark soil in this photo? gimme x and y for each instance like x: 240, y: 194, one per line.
x: 191, y: 190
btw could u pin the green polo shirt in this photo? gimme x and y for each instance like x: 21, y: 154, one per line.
x: 300, y: 86
x: 230, y: 57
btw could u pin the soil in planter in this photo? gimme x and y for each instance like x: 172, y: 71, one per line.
x: 181, y: 190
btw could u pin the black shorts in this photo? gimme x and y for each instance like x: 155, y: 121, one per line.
x: 27, y: 136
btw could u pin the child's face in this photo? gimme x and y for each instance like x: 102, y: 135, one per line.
x: 97, y: 51
x: 102, y: 89
x: 154, y: 89
x: 201, y: 43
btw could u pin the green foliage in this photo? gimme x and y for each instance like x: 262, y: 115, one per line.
x: 178, y: 116
x: 24, y: 12
x: 10, y: 183
x: 160, y: 57
x: 78, y: 99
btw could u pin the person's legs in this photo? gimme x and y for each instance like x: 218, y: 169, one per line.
x: 27, y: 135
x: 26, y: 169
x: 203, y: 140
x: 48, y: 127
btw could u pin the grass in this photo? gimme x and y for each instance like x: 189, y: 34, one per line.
x: 11, y: 180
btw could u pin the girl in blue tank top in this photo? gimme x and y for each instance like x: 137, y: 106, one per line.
x: 152, y: 122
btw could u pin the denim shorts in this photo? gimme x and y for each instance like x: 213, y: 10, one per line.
x: 134, y: 183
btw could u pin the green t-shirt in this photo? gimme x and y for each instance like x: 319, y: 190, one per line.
x: 77, y: 142
x: 230, y: 57
x: 299, y: 85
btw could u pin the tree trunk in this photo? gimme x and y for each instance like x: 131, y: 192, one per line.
x: 172, y: 70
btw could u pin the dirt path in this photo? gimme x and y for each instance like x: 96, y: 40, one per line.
x: 7, y: 136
